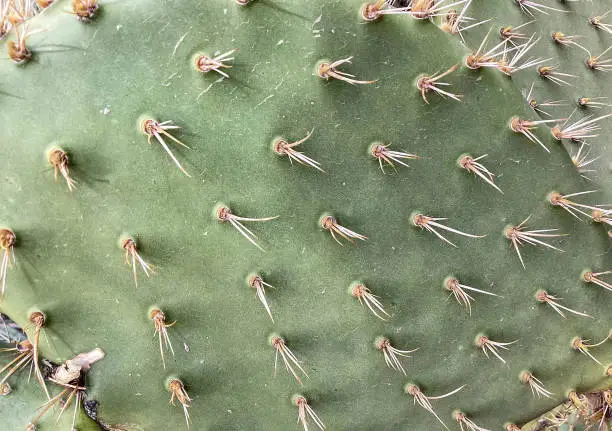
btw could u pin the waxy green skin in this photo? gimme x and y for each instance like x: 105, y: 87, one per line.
x: 86, y: 93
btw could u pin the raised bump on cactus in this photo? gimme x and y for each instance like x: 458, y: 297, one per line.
x: 526, y: 128
x: 282, y: 147
x: 178, y: 392
x: 457, y: 22
x: 514, y: 65
x: 600, y: 216
x: 203, y: 63
x: 37, y: 321
x: 430, y: 83
x: 529, y: 7
x: 431, y: 223
x: 384, y: 154
x: 589, y: 276
x: 490, y: 58
x: 561, y: 38
x: 18, y: 52
x: 458, y: 290
x: 471, y: 164
x: 391, y: 354
x: 583, y: 347
x: 131, y: 254
x: 424, y: 401
x: 224, y: 214
x: 487, y: 345
x: 545, y: 297
x: 152, y: 128
x: 326, y: 70
x: 256, y: 282
x: 518, y: 236
x: 59, y: 159
x: 512, y: 427
x: 24, y: 356
x: 574, y: 208
x: 279, y: 345
x: 85, y: 10
x: 374, y: 11
x: 5, y: 389
x: 536, y: 385
x: 306, y: 412
x: 596, y: 63
x: 465, y: 423
x: 159, y: 322
x: 7, y: 243
x: 424, y: 9
x: 596, y: 21
x: 365, y: 296
x: 592, y: 102
x: 509, y: 33
x: 548, y: 72
x: 330, y: 224
x: 579, y: 130
x: 537, y: 106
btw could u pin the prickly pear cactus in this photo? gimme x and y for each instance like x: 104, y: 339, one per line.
x: 365, y: 216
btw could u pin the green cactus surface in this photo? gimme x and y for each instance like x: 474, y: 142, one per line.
x: 100, y: 95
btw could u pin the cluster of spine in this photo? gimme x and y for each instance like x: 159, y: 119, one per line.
x: 508, y: 57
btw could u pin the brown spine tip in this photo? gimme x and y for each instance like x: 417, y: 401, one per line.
x: 481, y: 340
x: 541, y: 295
x: 85, y: 10
x: 7, y: 238
x: 451, y: 283
x: 57, y: 157
x: 323, y: 69
x: 278, y: 146
x: 419, y: 220
x: 18, y: 52
x: 587, y: 276
x: 37, y: 318
x: 328, y: 221
x: 382, y: 343
x: 255, y: 281
x: 555, y: 198
x: 412, y: 389
x: 472, y: 62
x: 148, y: 126
x: 156, y: 313
x: 370, y: 12
x: 545, y: 70
x: 516, y: 125
x: 459, y: 416
x: 465, y: 161
x: 525, y: 377
x: 576, y: 343
x: 358, y: 290
x: 558, y: 37
x: 223, y: 213
x: 377, y: 150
